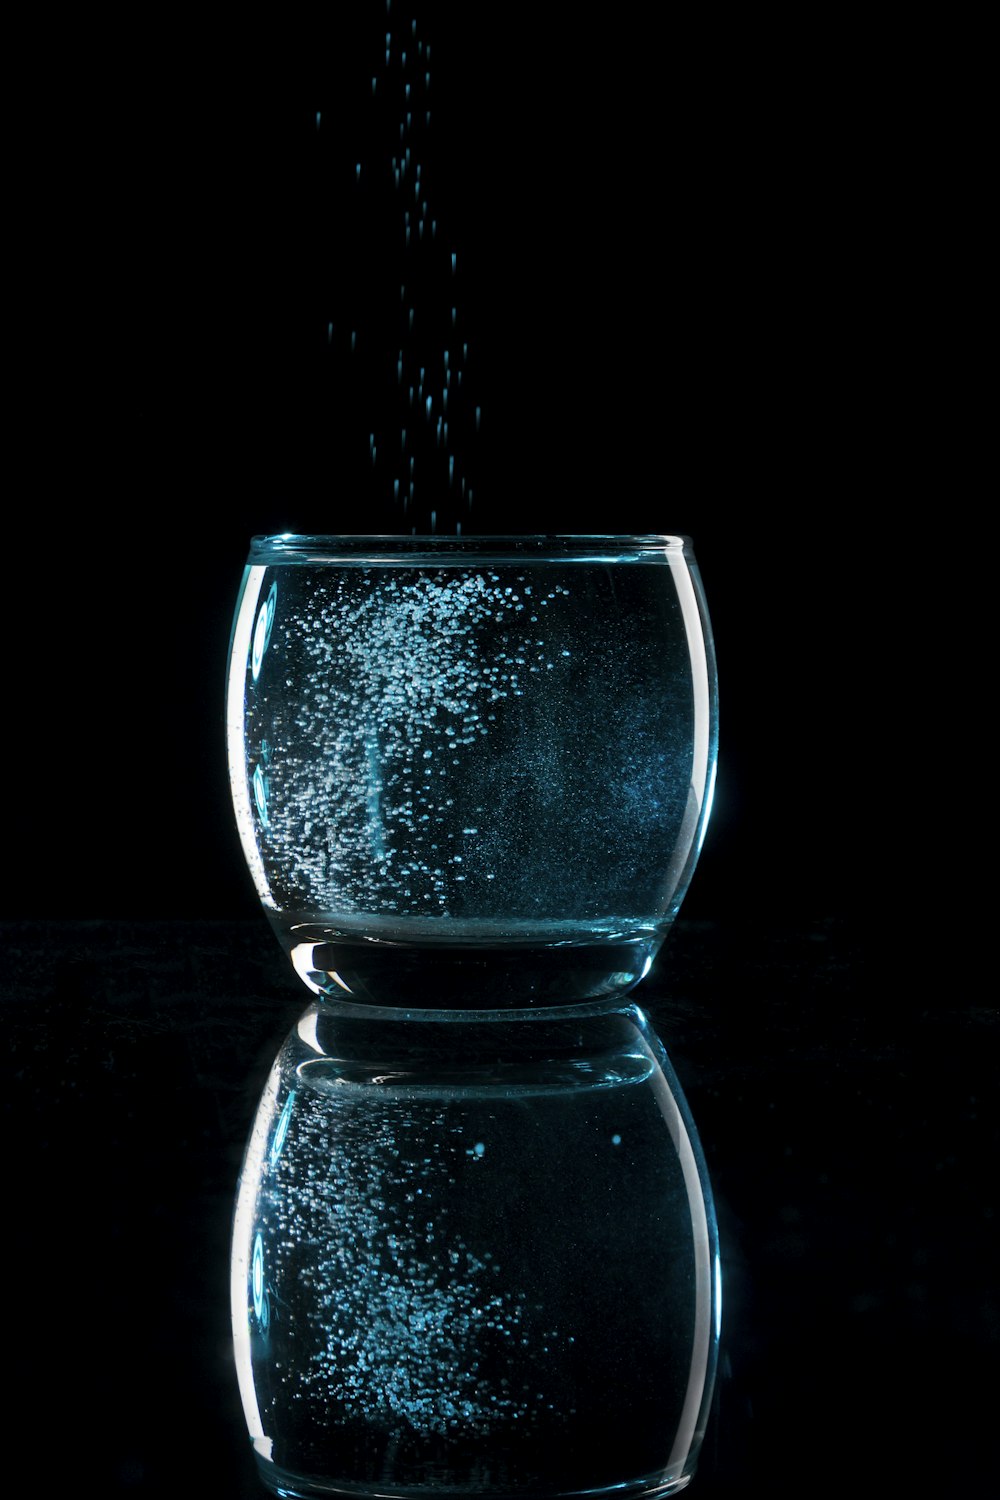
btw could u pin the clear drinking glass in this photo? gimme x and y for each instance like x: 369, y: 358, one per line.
x: 474, y: 1250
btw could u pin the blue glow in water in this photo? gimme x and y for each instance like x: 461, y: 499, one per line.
x: 262, y: 631
x: 257, y: 1275
x: 260, y: 792
x: 281, y: 1131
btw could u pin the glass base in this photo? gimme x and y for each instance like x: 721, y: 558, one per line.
x: 448, y: 965
x: 306, y: 1487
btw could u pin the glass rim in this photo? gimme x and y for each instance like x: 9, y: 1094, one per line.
x: 317, y: 547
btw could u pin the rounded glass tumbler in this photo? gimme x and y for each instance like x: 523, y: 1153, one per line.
x: 471, y: 772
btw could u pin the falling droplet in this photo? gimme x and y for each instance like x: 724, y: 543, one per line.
x: 318, y: 118
x: 479, y: 416
x: 329, y: 333
x: 357, y: 172
x: 454, y: 257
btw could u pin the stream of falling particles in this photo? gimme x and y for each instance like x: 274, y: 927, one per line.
x: 397, y: 329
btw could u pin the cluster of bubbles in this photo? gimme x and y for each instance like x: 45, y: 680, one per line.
x: 395, y: 1320
x: 372, y: 805
x: 423, y: 421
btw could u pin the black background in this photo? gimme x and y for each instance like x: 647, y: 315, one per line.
x: 671, y: 254
x: 677, y: 255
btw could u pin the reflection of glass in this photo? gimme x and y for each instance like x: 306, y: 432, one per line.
x: 474, y: 1250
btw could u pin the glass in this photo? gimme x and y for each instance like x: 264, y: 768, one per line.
x: 474, y: 1250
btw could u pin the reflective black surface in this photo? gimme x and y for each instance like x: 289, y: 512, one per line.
x: 850, y: 1149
